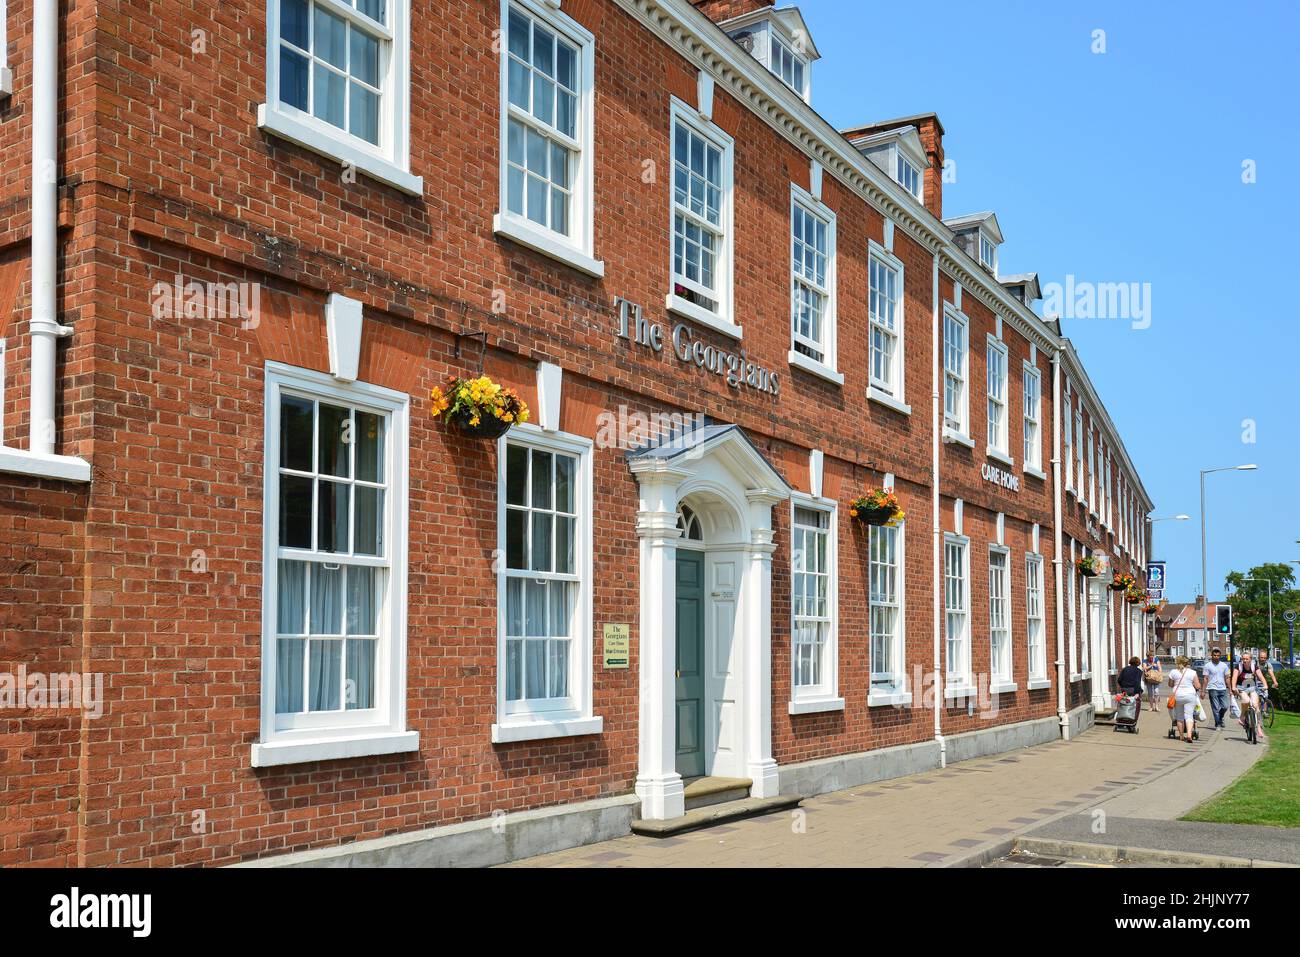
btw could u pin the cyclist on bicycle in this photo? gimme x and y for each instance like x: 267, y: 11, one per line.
x: 1250, y: 679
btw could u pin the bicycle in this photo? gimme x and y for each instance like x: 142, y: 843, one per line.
x: 1252, y: 718
x: 1266, y: 710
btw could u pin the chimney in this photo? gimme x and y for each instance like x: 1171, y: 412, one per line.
x: 930, y: 131
x: 720, y: 11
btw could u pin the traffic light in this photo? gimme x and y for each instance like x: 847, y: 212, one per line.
x: 1224, y: 624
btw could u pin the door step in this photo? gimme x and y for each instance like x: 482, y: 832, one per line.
x: 713, y: 814
x: 705, y: 791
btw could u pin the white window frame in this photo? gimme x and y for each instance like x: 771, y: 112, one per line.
x: 1034, y: 565
x: 776, y: 38
x: 387, y: 162
x: 1092, y: 470
x: 878, y: 389
x: 958, y: 682
x: 991, y: 261
x: 378, y: 730
x: 723, y: 319
x: 999, y: 680
x: 3, y: 346
x: 1085, y: 624
x: 1067, y: 420
x: 515, y: 720
x: 807, y: 699
x: 577, y: 249
x: 892, y: 690
x: 957, y: 428
x: 902, y: 164
x: 1032, y: 412
x: 999, y: 445
x: 6, y: 75
x: 1080, y: 485
x: 1072, y: 614
x: 827, y: 366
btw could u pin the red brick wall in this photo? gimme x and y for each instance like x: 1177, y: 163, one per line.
x: 720, y: 10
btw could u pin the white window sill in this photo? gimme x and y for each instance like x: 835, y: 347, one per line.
x: 959, y: 691
x: 960, y: 438
x: 541, y: 729
x: 1074, y: 678
x: 881, y: 699
x: 689, y: 310
x: 69, y: 468
x: 330, y: 749
x: 6, y: 81
x: 544, y: 242
x: 821, y: 370
x: 885, y: 399
x: 998, y: 456
x: 1038, y: 684
x: 309, y: 137
x: 1036, y: 473
x: 816, y: 705
x: 1002, y: 687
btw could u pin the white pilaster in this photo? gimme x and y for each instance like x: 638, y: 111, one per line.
x: 657, y: 782
x: 760, y: 765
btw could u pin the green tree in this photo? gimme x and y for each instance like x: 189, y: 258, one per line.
x: 1249, y: 601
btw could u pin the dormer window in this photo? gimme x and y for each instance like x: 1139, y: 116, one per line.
x: 779, y: 40
x: 979, y: 236
x: 988, y: 252
x: 909, y: 177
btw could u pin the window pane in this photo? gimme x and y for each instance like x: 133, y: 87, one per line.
x: 291, y: 598
x: 293, y: 79
x: 564, y: 532
x: 541, y: 479
x: 516, y: 475
x: 363, y: 116
x: 328, y: 91
x: 519, y: 34
x: 558, y: 669
x: 369, y: 436
x: 326, y: 600
x: 535, y: 609
x: 365, y: 58
x: 288, y: 675
x: 295, y: 433
x: 295, y: 511
x: 360, y: 689
x: 374, y: 9
x: 514, y: 607
x: 541, y: 544
x: 369, y: 530
x: 293, y: 22
x: 514, y: 670
x: 560, y: 609
x: 332, y: 517
x: 519, y: 84
x: 331, y: 38
x: 516, y: 538
x: 535, y: 669
x: 335, y: 427
x: 362, y: 610
x: 325, y: 675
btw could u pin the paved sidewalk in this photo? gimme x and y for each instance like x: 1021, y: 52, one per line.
x: 931, y: 819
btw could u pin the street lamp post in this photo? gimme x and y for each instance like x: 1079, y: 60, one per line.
x: 1205, y: 594
x: 1269, y: 583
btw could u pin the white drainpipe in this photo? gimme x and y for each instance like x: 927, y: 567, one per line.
x: 45, y: 223
x: 1057, y: 559
x: 936, y: 412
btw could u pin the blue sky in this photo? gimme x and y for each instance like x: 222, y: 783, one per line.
x: 1126, y: 166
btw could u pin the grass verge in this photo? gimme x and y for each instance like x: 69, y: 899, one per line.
x: 1269, y: 793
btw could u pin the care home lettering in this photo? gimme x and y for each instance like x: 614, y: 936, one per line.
x: 997, y: 476
x: 735, y: 367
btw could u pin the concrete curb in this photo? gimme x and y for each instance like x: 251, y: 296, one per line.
x: 1147, y: 857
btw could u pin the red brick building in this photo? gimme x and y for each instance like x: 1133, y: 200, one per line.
x: 318, y: 615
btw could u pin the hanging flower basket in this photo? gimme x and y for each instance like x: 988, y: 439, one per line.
x: 1086, y: 566
x: 1123, y: 581
x: 478, y: 408
x: 1135, y: 596
x: 1150, y: 608
x: 877, y: 507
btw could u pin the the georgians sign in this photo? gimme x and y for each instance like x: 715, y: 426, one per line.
x: 991, y: 473
x: 734, y: 367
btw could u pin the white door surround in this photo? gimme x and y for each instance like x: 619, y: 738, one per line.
x: 1099, y: 632
x: 731, y: 488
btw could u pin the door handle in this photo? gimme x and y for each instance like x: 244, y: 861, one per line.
x: 679, y: 672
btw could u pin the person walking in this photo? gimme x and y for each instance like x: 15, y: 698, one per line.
x: 1215, y: 673
x: 1186, y: 692
x: 1154, y: 676
x: 1130, y: 683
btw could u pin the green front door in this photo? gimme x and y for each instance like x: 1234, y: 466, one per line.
x: 690, y: 664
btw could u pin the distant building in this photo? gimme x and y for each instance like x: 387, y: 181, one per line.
x: 1185, y: 629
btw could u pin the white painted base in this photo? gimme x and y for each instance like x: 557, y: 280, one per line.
x: 662, y: 799
x: 766, y: 778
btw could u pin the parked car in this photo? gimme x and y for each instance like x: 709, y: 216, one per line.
x: 1198, y: 665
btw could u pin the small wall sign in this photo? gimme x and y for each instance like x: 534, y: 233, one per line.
x: 1009, y: 480
x: 618, y: 645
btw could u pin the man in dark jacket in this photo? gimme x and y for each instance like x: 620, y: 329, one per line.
x: 1130, y: 680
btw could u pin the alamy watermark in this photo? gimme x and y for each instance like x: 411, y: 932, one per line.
x: 191, y: 299
x: 62, y: 691
x: 1081, y: 299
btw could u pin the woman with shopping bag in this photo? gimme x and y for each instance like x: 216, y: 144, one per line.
x: 1184, y: 696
